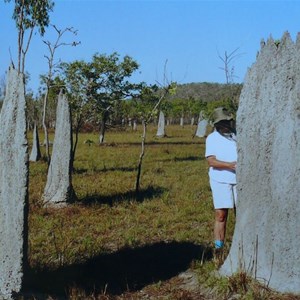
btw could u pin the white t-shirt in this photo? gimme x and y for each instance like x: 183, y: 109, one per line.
x: 223, y: 149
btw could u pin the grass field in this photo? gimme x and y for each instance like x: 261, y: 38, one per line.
x: 114, y: 245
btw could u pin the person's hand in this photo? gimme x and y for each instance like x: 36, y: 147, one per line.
x: 232, y: 166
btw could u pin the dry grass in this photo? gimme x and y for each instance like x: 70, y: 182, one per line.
x: 114, y: 245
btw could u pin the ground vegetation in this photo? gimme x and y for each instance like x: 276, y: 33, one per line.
x: 112, y: 245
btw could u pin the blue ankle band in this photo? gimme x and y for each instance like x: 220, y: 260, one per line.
x: 219, y: 244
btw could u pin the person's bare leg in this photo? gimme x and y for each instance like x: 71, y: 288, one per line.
x: 220, y: 224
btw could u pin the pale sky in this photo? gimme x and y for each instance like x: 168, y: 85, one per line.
x: 188, y: 34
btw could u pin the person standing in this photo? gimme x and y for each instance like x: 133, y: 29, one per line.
x: 221, y: 155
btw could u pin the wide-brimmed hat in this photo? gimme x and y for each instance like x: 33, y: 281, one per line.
x: 221, y: 114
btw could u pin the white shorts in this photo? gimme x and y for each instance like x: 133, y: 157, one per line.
x: 224, y: 194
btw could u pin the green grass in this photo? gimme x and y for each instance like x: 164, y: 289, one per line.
x: 112, y: 245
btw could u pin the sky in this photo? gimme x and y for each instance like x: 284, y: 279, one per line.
x: 181, y: 40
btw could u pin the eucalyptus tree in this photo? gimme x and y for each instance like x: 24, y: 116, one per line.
x: 179, y: 108
x: 76, y: 80
x: 197, y: 106
x: 55, y: 86
x: 229, y: 70
x: 140, y: 106
x: 123, y: 111
x: 166, y: 107
x: 29, y: 14
x: 98, y: 86
x: 31, y: 109
x: 152, y: 98
x: 111, y: 84
x: 52, y: 68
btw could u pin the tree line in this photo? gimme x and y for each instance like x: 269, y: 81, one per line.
x: 101, y: 96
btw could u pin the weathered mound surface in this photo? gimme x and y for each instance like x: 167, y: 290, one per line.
x: 35, y: 153
x: 13, y: 186
x: 59, y: 190
x: 266, y: 241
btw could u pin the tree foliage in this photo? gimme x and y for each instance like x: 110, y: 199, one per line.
x: 98, y: 86
x: 29, y: 14
x: 149, y: 94
x: 190, y: 99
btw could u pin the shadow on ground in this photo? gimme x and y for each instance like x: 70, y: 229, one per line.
x: 127, y: 270
x: 144, y: 194
x: 159, y: 141
x: 105, y: 170
x: 180, y: 159
x: 165, y: 141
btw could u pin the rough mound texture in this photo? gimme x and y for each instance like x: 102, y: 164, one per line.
x: 35, y: 153
x: 266, y: 241
x: 13, y: 187
x: 59, y: 191
x: 161, y: 125
x: 201, y: 128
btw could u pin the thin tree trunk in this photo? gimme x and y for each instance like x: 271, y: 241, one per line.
x: 75, y: 145
x: 46, y: 140
x: 26, y: 49
x: 102, y: 127
x: 102, y: 132
x: 77, y: 128
x: 20, y: 36
x: 137, y: 183
x: 138, y: 177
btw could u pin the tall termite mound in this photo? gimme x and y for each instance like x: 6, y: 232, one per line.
x: 59, y: 190
x: 13, y: 187
x: 266, y: 240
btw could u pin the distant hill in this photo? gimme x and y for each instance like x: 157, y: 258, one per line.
x: 208, y: 92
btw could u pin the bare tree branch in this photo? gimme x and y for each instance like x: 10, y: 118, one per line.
x: 48, y: 79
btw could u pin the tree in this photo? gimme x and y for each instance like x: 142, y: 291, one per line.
x: 110, y: 85
x: 76, y: 80
x: 29, y: 14
x: 196, y: 106
x: 150, y: 95
x: 179, y: 108
x: 31, y: 110
x: 228, y: 69
x: 166, y: 107
x: 52, y: 67
x: 101, y: 84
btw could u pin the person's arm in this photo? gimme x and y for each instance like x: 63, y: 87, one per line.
x: 219, y: 164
